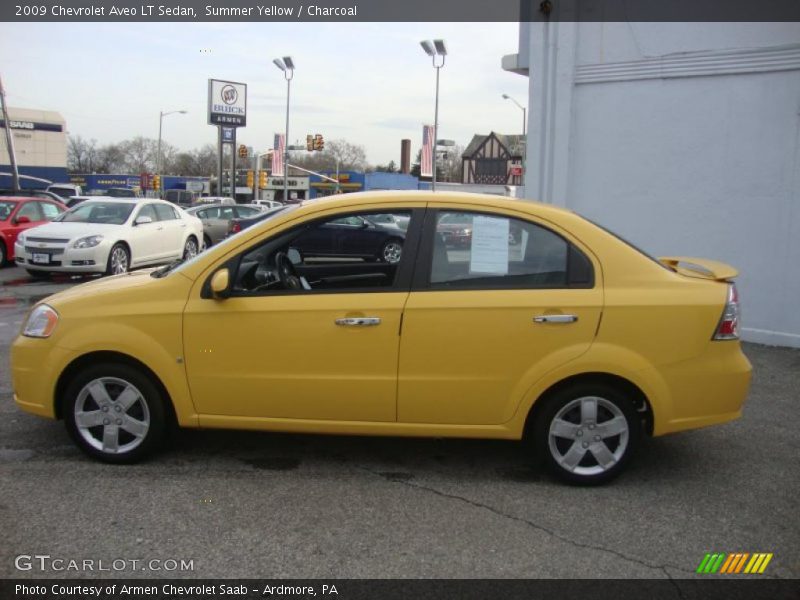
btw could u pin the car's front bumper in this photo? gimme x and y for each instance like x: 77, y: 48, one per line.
x: 63, y: 259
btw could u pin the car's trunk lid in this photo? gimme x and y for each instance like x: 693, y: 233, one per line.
x: 701, y: 268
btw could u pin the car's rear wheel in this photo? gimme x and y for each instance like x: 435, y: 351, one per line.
x: 190, y: 248
x: 392, y: 251
x: 114, y: 413
x: 587, y: 433
x: 119, y: 260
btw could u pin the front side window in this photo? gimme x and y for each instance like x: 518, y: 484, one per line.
x: 482, y: 251
x: 30, y: 210
x: 347, y: 253
x: 50, y: 211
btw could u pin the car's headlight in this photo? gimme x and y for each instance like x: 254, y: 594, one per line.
x: 41, y: 322
x: 88, y: 242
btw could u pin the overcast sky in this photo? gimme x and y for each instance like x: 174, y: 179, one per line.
x: 369, y: 83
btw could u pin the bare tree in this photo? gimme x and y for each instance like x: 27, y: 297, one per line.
x: 352, y: 157
x: 110, y: 159
x: 206, y: 160
x: 140, y: 154
x: 81, y: 154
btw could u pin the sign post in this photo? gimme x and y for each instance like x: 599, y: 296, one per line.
x: 227, y: 109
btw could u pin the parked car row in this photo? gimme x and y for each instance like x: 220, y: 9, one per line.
x: 109, y: 236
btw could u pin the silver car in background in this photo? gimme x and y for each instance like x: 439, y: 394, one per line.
x: 217, y: 217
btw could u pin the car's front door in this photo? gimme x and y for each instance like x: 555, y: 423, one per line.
x: 486, y: 320
x: 325, y: 353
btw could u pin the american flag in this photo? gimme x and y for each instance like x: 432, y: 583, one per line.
x: 277, y: 155
x: 426, y: 164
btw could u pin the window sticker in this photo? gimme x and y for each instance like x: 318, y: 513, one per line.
x: 489, y: 245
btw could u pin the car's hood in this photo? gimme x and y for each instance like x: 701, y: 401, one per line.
x: 70, y: 231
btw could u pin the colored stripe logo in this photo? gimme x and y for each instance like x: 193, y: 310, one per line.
x: 734, y: 563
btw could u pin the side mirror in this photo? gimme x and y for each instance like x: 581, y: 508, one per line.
x: 143, y: 220
x: 22, y: 220
x: 219, y: 284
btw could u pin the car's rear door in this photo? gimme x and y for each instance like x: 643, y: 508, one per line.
x: 484, y: 322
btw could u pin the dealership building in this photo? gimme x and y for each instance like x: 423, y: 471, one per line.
x: 682, y: 137
x: 40, y: 144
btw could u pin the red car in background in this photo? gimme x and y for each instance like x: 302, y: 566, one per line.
x: 18, y: 213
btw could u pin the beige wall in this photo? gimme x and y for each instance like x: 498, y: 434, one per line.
x: 36, y: 148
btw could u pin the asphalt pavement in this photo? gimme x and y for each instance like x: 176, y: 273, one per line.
x: 298, y: 506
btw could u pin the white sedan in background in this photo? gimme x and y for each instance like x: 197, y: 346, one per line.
x: 110, y: 236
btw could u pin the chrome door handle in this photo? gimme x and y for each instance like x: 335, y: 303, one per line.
x: 358, y: 321
x: 555, y: 318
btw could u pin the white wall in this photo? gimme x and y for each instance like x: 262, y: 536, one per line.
x: 685, y: 139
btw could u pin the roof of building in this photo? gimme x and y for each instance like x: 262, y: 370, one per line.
x: 513, y: 143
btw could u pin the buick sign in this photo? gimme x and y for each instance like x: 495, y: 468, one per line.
x: 227, y: 103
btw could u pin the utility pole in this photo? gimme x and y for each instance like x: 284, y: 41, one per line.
x: 12, y: 156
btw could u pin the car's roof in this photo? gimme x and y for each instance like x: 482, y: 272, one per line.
x: 393, y: 197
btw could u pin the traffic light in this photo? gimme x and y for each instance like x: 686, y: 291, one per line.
x: 310, y: 142
x: 319, y: 142
x: 262, y: 180
x: 250, y: 179
x: 156, y: 182
x: 242, y: 151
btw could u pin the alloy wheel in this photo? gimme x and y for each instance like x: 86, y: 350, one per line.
x: 112, y: 415
x: 119, y: 260
x: 588, y: 436
x: 392, y: 252
x: 190, y: 249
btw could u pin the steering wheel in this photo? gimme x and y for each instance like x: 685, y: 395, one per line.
x: 286, y: 273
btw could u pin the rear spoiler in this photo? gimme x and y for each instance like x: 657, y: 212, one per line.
x: 699, y: 267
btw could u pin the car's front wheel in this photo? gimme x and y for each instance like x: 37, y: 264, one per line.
x: 587, y: 433
x: 190, y: 248
x: 114, y: 413
x: 391, y: 251
x: 2, y: 255
x: 119, y: 260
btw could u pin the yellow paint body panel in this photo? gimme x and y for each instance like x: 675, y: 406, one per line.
x: 454, y: 363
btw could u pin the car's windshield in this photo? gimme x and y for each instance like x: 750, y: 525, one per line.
x: 6, y: 208
x: 110, y: 213
x: 223, y: 244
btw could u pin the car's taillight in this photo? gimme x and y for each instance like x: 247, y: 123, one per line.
x: 235, y: 227
x: 728, y: 328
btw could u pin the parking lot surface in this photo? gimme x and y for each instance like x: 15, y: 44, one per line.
x: 266, y: 505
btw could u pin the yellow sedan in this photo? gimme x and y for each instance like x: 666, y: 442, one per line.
x: 538, y: 324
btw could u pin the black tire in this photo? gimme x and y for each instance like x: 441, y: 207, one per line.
x: 116, y: 254
x: 190, y: 248
x: 207, y: 243
x: 387, y: 254
x: 38, y: 274
x: 585, y: 439
x: 3, y: 255
x: 149, y: 407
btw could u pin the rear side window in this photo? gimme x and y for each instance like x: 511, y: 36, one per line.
x: 165, y: 212
x: 482, y: 251
x: 50, y: 211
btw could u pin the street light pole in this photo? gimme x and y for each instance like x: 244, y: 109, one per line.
x: 524, y: 132
x: 287, y: 66
x: 161, y: 116
x: 435, y: 49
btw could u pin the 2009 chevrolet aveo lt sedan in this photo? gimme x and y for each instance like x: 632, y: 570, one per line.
x: 561, y: 333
